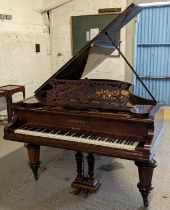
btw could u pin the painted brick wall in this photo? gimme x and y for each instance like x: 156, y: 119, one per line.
x: 19, y: 63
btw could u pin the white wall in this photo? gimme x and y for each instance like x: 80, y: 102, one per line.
x: 60, y: 19
x: 19, y: 63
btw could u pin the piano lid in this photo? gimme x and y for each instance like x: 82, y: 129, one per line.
x: 95, y: 52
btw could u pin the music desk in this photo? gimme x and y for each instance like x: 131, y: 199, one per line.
x: 7, y: 91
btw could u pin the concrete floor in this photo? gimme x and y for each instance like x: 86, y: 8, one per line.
x: 19, y: 191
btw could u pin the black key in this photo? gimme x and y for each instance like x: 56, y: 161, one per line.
x: 105, y: 139
x: 131, y: 142
x: 22, y: 127
x: 33, y: 129
x: 37, y: 130
x: 48, y: 130
x: 60, y: 132
x: 112, y: 140
x: 81, y: 135
x: 63, y: 133
x: 127, y: 141
x: 90, y: 136
x: 119, y: 140
x: 55, y: 131
x: 67, y: 133
x: 70, y: 133
x: 29, y: 128
x: 51, y: 132
x: 77, y: 134
x: 95, y: 137
x: 74, y: 134
x: 85, y: 135
x: 26, y: 128
x: 108, y: 139
x: 101, y: 138
x: 43, y: 131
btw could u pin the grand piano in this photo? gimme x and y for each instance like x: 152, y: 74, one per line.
x: 93, y: 116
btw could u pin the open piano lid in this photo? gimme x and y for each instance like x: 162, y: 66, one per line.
x: 78, y: 66
x: 66, y: 88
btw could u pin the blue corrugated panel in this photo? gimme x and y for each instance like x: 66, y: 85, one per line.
x: 152, y: 59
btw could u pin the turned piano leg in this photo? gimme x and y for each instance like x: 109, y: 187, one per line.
x: 145, y: 179
x: 92, y: 181
x: 78, y: 182
x: 79, y: 160
x: 90, y: 161
x: 34, y: 162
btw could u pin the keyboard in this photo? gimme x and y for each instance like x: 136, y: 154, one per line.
x: 120, y: 142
